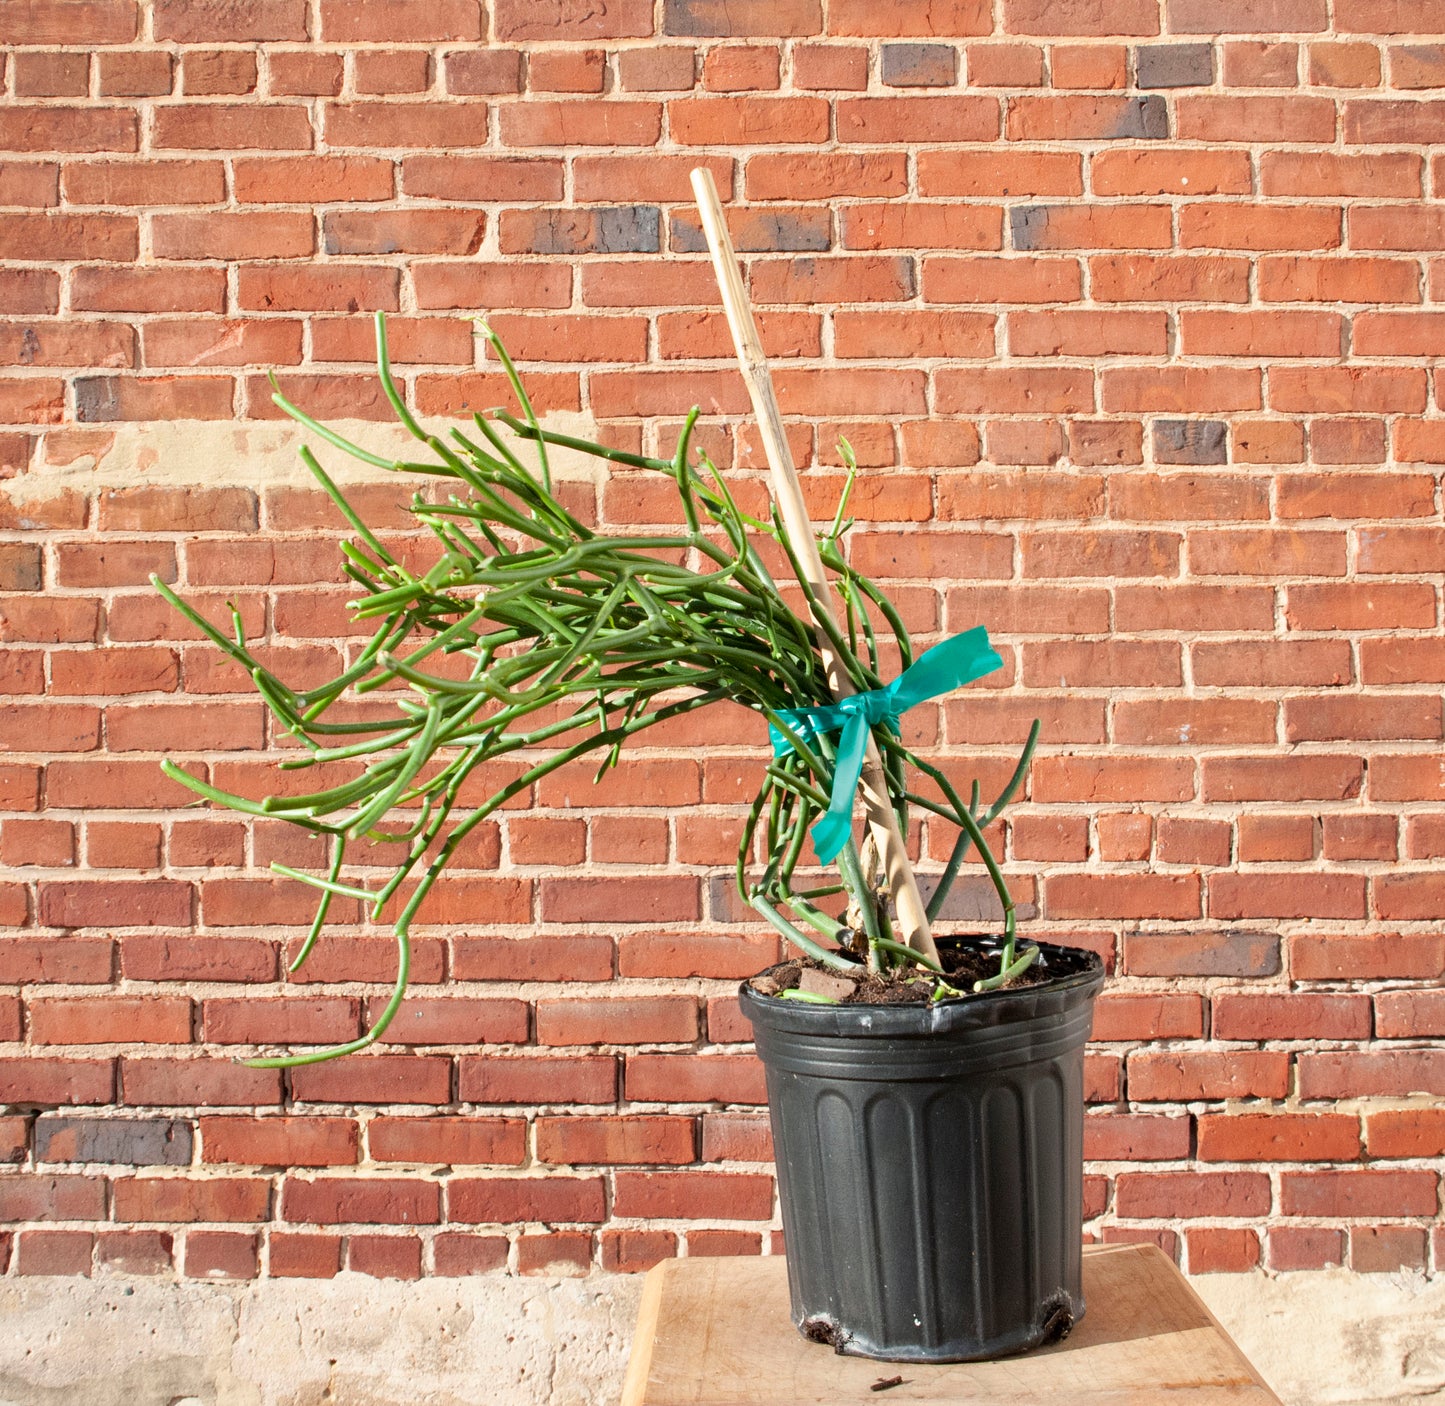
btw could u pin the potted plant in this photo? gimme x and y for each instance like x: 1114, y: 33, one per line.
x: 926, y: 1096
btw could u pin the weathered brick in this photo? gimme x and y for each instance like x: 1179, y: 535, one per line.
x: 1174, y: 65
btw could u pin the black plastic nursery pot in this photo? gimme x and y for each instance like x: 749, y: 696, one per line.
x: 930, y: 1164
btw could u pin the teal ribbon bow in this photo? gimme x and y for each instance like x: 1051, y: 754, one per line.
x: 943, y: 668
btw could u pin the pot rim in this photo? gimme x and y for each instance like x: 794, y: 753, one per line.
x: 1079, y: 976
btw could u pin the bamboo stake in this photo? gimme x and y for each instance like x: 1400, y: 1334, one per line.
x: 912, y: 913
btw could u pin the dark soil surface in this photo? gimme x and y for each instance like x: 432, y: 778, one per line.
x: 962, y: 965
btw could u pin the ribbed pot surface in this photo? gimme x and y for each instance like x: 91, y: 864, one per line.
x: 930, y: 1165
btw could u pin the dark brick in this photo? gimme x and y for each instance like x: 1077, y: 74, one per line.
x: 1174, y: 65
x: 724, y: 19
x: 620, y: 229
x: 19, y: 566
x: 1191, y: 442
x: 1028, y: 225
x: 920, y: 65
x: 1143, y: 117
x: 802, y: 231
x: 1202, y: 954
x: 130, y: 1142
x: 973, y: 899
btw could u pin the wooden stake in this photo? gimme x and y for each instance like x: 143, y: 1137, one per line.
x: 912, y: 914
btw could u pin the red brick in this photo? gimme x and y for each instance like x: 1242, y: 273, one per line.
x: 1182, y: 171
x: 1188, y: 389
x: 1170, y: 1195
x: 1385, y: 1249
x: 1004, y: 280
x: 1279, y: 1137
x: 525, y: 1199
x: 1114, y: 778
x: 456, y: 1255
x: 614, y: 122
x: 321, y: 288
x: 1403, y: 1014
x: 1121, y: 896
x: 384, y: 21
x: 1141, y: 1016
x: 384, y: 1256
x: 1145, y: 278
x: 1084, y: 117
x: 406, y: 125
x: 148, y: 290
x: 916, y: 119
x: 393, y: 71
x: 221, y: 1255
x: 1359, y: 1193
x: 922, y: 226
x: 818, y: 67
x: 115, y: 902
x: 947, y: 19
x: 555, y: 1255
x: 134, y: 1251
x: 1344, y: 65
x: 69, y: 959
x: 1162, y: 1076
x: 1383, y: 1074
x: 177, y: 1199
x: 606, y: 1020
x: 198, y: 1080
x: 1268, y: 119
x: 635, y: 1251
x: 1018, y: 66
x: 738, y: 69
x: 1305, y: 1247
x: 376, y: 1079
x: 694, y: 1079
x: 156, y: 1020
x: 1213, y: 1249
x: 1135, y: 1137
x: 54, y: 1252
x: 1046, y: 17
x: 255, y: 1020
x: 1406, y: 1132
x: 448, y: 1141
x: 694, y: 1195
x: 24, y: 1196
x: 226, y: 126
x: 1334, y: 958
x: 1079, y: 333
x: 364, y: 1200
x: 1346, y: 280
x: 50, y: 127
x: 303, y: 73
x: 301, y: 1256
x: 279, y: 1141
x: 637, y: 1139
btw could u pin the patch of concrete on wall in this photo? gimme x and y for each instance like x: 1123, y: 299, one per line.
x: 351, y: 1341
x: 1323, y: 1339
x: 1333, y: 1338
x: 249, y: 454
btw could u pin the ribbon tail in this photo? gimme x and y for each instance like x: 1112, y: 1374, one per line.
x: 830, y: 833
x: 943, y: 668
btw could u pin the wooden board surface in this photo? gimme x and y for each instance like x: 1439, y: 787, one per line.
x: 716, y: 1332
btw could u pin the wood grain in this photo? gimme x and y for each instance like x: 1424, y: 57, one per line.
x: 716, y: 1332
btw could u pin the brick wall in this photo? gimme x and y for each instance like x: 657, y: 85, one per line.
x: 1133, y: 328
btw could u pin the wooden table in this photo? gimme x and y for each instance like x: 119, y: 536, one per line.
x: 716, y: 1332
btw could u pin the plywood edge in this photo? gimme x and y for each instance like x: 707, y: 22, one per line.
x: 1268, y: 1392
x: 639, y: 1360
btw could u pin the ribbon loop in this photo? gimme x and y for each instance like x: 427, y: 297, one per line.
x: 943, y: 668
